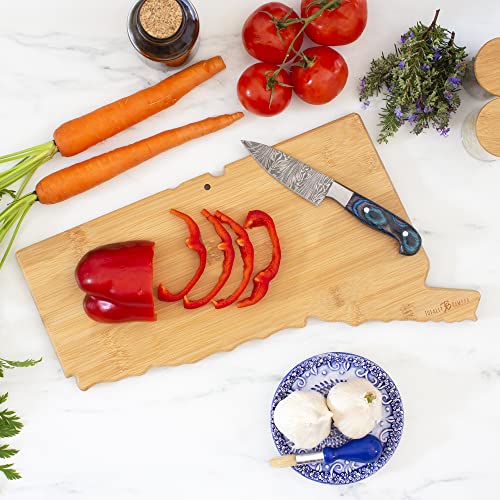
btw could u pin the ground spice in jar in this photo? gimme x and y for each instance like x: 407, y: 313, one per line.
x: 164, y: 32
x: 161, y: 18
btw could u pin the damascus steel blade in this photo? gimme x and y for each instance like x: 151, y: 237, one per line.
x: 315, y: 186
x: 307, y: 182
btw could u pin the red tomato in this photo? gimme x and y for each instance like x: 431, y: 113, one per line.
x: 321, y: 76
x: 338, y: 26
x: 264, y: 35
x: 254, y: 92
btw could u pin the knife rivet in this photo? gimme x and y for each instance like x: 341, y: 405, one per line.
x: 366, y: 210
x: 207, y: 187
x: 405, y: 234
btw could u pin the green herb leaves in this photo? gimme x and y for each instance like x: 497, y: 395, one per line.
x: 420, y: 81
x: 10, y: 424
x: 6, y: 452
x: 5, y: 364
x: 9, y: 472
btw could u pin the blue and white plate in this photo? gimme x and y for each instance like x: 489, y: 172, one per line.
x: 320, y: 373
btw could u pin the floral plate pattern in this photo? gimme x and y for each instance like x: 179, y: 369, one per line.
x: 320, y: 373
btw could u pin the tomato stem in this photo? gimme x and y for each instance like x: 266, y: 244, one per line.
x: 272, y: 79
x: 304, y: 61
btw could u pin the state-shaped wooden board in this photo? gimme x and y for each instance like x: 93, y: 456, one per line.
x: 333, y: 267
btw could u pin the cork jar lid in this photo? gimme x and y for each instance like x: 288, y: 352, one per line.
x: 488, y: 127
x: 161, y: 18
x: 487, y: 66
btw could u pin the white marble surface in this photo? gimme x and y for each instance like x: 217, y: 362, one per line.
x: 203, y: 430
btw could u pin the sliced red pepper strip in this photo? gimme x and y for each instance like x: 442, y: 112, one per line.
x: 195, y: 243
x: 226, y: 246
x: 257, y: 218
x: 247, y: 254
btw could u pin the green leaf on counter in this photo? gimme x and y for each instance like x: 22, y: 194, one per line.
x: 10, y: 423
x: 20, y: 364
x: 10, y: 473
x: 6, y: 452
x: 9, y: 192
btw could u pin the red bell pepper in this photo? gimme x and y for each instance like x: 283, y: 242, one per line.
x: 247, y: 255
x: 105, y: 311
x: 118, y: 280
x: 261, y: 280
x: 195, y: 243
x: 226, y: 246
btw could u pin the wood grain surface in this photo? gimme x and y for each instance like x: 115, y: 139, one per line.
x: 333, y: 268
x: 488, y: 127
x: 487, y: 66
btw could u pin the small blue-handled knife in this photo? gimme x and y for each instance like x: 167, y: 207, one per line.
x: 315, y: 186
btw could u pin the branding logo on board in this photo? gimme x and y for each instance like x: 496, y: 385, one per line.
x: 446, y: 306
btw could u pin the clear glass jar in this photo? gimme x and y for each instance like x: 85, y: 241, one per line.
x: 482, y: 78
x: 474, y: 142
x: 472, y: 86
x: 168, y: 52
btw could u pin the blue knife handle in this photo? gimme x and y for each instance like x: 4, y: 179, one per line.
x: 382, y: 220
x: 364, y: 450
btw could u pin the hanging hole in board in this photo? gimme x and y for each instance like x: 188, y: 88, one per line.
x: 207, y: 187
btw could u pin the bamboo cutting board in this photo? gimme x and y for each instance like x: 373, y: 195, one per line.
x: 333, y: 266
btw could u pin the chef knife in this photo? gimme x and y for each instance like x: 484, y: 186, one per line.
x: 315, y: 186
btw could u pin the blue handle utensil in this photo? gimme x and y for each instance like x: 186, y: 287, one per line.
x: 315, y: 186
x: 364, y: 450
x: 382, y: 220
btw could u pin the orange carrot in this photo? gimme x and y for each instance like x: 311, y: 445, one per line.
x: 79, y: 134
x: 80, y: 177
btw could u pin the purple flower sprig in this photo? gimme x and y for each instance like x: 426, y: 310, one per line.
x: 362, y: 85
x: 407, y: 36
x: 420, y: 81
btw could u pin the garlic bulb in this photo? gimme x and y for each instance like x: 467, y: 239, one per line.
x: 356, y: 406
x: 303, y: 418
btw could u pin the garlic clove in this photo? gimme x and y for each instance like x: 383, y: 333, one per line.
x: 355, y: 427
x: 356, y: 406
x: 304, y: 418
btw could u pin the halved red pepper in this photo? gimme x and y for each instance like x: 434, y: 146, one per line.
x: 118, y: 280
x: 195, y: 243
x: 226, y: 246
x: 247, y: 255
x: 105, y: 311
x: 257, y: 218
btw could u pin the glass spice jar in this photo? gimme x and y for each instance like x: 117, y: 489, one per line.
x: 164, y: 32
x: 482, y: 78
x: 481, y: 132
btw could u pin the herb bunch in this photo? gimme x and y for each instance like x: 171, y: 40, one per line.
x: 420, y: 81
x: 10, y: 424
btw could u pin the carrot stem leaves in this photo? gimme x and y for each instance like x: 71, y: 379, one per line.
x: 26, y: 152
x: 30, y: 160
x: 13, y: 215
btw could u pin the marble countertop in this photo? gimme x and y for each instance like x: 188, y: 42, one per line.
x: 203, y: 429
